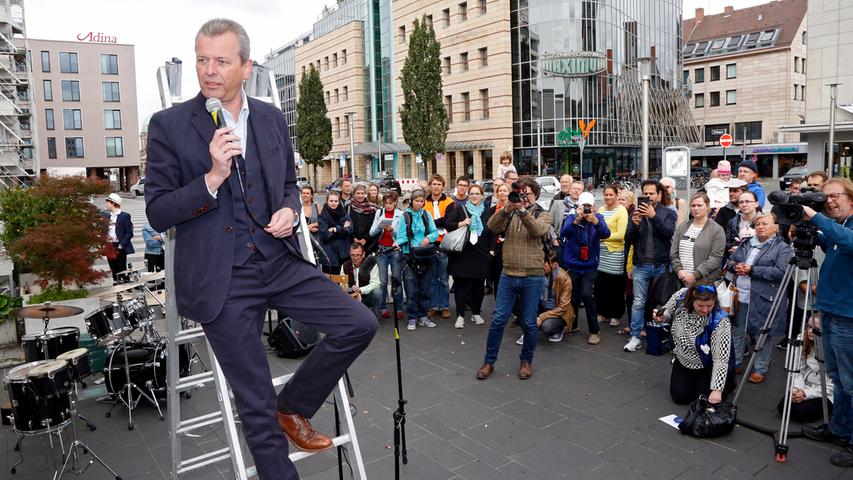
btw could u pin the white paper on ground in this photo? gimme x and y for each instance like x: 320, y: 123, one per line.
x: 672, y: 420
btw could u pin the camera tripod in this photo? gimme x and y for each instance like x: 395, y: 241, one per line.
x: 799, y: 264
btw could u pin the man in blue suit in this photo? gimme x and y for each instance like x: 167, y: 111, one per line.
x: 235, y: 255
x: 120, y: 233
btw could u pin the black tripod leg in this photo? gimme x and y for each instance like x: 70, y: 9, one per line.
x: 337, y: 434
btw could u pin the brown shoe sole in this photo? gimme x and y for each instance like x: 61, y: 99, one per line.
x: 306, y: 450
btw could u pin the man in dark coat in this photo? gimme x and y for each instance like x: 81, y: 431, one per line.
x: 120, y: 233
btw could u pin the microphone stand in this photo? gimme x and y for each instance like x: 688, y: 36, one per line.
x: 400, y: 413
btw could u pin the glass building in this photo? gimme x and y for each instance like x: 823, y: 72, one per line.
x: 577, y: 61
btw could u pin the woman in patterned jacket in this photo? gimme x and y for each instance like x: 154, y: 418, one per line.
x: 702, y: 338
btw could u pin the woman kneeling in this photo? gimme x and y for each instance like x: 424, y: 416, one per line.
x: 702, y: 338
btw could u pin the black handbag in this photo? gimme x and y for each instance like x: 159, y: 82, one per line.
x: 707, y: 420
x: 663, y: 288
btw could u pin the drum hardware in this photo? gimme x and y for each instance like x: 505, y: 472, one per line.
x: 46, y: 312
x: 81, y: 367
x: 121, y: 288
x: 118, y: 396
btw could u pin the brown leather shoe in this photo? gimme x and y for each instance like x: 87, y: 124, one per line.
x: 432, y: 313
x: 298, y: 429
x: 445, y: 313
x: 525, y: 371
x: 484, y: 371
x: 738, y: 370
x: 756, y: 377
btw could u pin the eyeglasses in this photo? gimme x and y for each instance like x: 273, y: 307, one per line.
x: 462, y: 185
x: 529, y: 193
x: 834, y: 196
x: 745, y: 201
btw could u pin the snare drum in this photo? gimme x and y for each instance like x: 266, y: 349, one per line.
x: 33, y: 413
x: 110, y: 324
x: 59, y: 340
x: 78, y: 359
x: 51, y: 379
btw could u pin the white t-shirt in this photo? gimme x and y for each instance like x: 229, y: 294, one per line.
x: 685, y: 247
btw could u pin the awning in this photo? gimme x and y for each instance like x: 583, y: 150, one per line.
x: 372, y: 148
x: 816, y: 127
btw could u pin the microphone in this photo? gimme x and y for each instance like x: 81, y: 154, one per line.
x: 214, y: 107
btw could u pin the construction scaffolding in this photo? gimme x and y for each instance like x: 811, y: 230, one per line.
x: 17, y: 125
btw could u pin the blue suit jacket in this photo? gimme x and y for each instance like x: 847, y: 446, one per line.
x: 124, y: 231
x: 176, y: 196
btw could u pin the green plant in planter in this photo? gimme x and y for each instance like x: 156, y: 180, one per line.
x: 7, y: 304
x: 55, y: 294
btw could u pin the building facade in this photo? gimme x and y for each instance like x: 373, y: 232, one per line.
x: 747, y: 73
x: 17, y: 130
x: 84, y: 99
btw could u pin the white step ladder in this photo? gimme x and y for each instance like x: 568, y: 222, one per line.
x: 176, y: 385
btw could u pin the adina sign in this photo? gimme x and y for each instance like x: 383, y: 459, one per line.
x: 573, y: 64
x: 93, y: 37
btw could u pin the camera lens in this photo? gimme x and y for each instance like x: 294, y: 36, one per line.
x: 514, y: 197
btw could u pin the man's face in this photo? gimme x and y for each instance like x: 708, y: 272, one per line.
x: 346, y: 187
x: 815, y: 181
x: 529, y: 198
x: 650, y: 192
x: 746, y: 174
x: 837, y: 202
x: 565, y: 184
x: 511, y: 177
x: 360, y: 194
x: 218, y: 67
x: 577, y: 189
x: 795, y: 188
x: 734, y: 194
x: 436, y: 187
x: 462, y: 188
x: 111, y: 206
x: 357, y: 256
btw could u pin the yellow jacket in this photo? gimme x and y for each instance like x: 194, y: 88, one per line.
x: 618, y: 225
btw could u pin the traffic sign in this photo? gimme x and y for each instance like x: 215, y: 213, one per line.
x: 726, y: 140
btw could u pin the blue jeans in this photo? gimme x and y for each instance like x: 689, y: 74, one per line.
x: 385, y: 260
x: 510, y: 289
x: 417, y: 288
x: 837, y: 334
x: 372, y: 300
x: 643, y: 276
x: 739, y: 323
x: 741, y: 331
x: 439, y: 291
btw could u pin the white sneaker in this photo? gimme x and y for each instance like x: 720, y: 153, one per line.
x: 460, y: 322
x: 557, y: 337
x: 520, y: 340
x: 478, y: 319
x: 426, y: 322
x: 632, y: 344
x: 413, y: 324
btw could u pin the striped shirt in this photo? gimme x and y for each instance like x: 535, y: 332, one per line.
x: 610, y: 262
x: 685, y: 247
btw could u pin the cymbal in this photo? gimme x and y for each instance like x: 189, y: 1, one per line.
x: 116, y: 289
x: 131, y: 271
x: 151, y: 276
x: 47, y: 310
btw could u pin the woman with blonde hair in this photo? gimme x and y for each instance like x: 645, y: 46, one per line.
x: 610, y: 283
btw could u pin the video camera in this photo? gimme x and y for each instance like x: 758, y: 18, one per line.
x: 791, y: 206
x: 515, y: 194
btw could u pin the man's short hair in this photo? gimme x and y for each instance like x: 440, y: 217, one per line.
x: 464, y: 178
x: 510, y: 172
x: 577, y: 182
x: 221, y: 26
x: 438, y: 178
x: 356, y: 246
x: 534, y: 186
x: 796, y: 181
x: 818, y: 173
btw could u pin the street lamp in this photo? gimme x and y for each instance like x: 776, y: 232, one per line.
x: 351, y: 119
x: 833, y: 89
x: 644, y: 69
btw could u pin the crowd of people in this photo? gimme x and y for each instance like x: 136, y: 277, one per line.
x: 546, y: 266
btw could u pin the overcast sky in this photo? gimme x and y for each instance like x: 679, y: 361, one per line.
x: 162, y: 29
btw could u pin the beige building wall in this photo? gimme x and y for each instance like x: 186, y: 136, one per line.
x: 765, y: 83
x: 339, y: 58
x: 91, y: 105
x: 466, y: 32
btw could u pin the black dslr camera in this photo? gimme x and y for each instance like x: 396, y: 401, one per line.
x: 791, y: 206
x: 515, y: 194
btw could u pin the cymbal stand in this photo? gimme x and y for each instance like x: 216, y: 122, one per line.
x: 77, y: 448
x: 46, y: 320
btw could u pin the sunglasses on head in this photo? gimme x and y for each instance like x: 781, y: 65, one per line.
x: 706, y: 289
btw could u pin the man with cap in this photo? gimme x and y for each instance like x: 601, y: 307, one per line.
x: 120, y: 233
x: 748, y: 172
x: 725, y: 214
x: 724, y: 170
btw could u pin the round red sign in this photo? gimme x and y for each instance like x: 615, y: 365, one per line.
x: 726, y: 140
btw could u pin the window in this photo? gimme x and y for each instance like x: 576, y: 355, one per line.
x: 803, y: 66
x: 448, y: 105
x: 803, y: 93
x: 466, y: 106
x: 428, y: 21
x: 111, y: 91
x: 699, y: 100
x: 48, y: 90
x: 731, y: 70
x: 715, y: 73
x: 463, y: 61
x: 72, y: 118
x: 51, y: 147
x: 685, y: 76
x: 115, y: 147
x: 796, y: 92
x: 699, y: 75
x: 112, y: 119
x: 346, y: 93
x: 48, y: 119
x: 445, y: 17
x: 484, y: 101
x: 718, y: 43
x: 804, y: 38
x: 70, y: 90
x: 484, y: 57
x: 334, y: 59
x: 74, y: 147
x: 713, y: 132
x: 346, y: 126
x: 45, y: 61
x: 767, y: 36
x: 68, y: 62
x: 715, y: 99
x: 796, y: 64
x: 337, y: 127
x: 731, y: 97
x: 109, y: 64
x: 482, y: 4
x: 751, y: 131
x: 337, y: 96
x: 326, y: 62
x: 446, y: 65
x: 401, y: 35
x: 463, y: 11
x: 344, y: 57
x: 328, y: 97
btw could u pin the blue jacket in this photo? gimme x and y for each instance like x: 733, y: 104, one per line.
x: 663, y: 228
x: 418, y: 231
x: 582, y: 234
x: 152, y: 246
x: 836, y: 273
x: 336, y: 244
x: 124, y: 232
x: 755, y: 188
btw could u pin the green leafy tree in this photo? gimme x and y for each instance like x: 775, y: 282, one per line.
x: 423, y: 115
x: 313, y: 128
x: 55, y: 231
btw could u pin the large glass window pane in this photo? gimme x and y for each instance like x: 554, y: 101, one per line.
x: 51, y: 147
x: 47, y: 85
x: 70, y: 91
x: 115, y: 147
x: 109, y: 64
x: 45, y: 61
x: 112, y: 119
x: 74, y: 147
x: 72, y: 119
x: 68, y: 62
x: 111, y: 92
x: 48, y: 119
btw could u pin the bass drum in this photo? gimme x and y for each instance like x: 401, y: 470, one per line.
x: 147, y: 365
x: 33, y: 413
x: 59, y: 340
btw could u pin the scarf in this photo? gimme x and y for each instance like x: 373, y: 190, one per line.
x: 475, y: 211
x: 365, y: 207
x: 755, y: 243
x: 337, y: 214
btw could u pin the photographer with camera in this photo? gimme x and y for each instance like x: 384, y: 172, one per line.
x: 415, y: 235
x: 362, y: 274
x: 522, y: 274
x: 835, y: 305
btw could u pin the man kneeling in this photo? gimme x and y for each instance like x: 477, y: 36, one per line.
x: 362, y: 277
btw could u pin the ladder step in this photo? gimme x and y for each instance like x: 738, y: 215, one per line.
x: 192, y: 381
x: 200, y: 461
x: 191, y: 424
x: 299, y: 455
x: 188, y: 335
